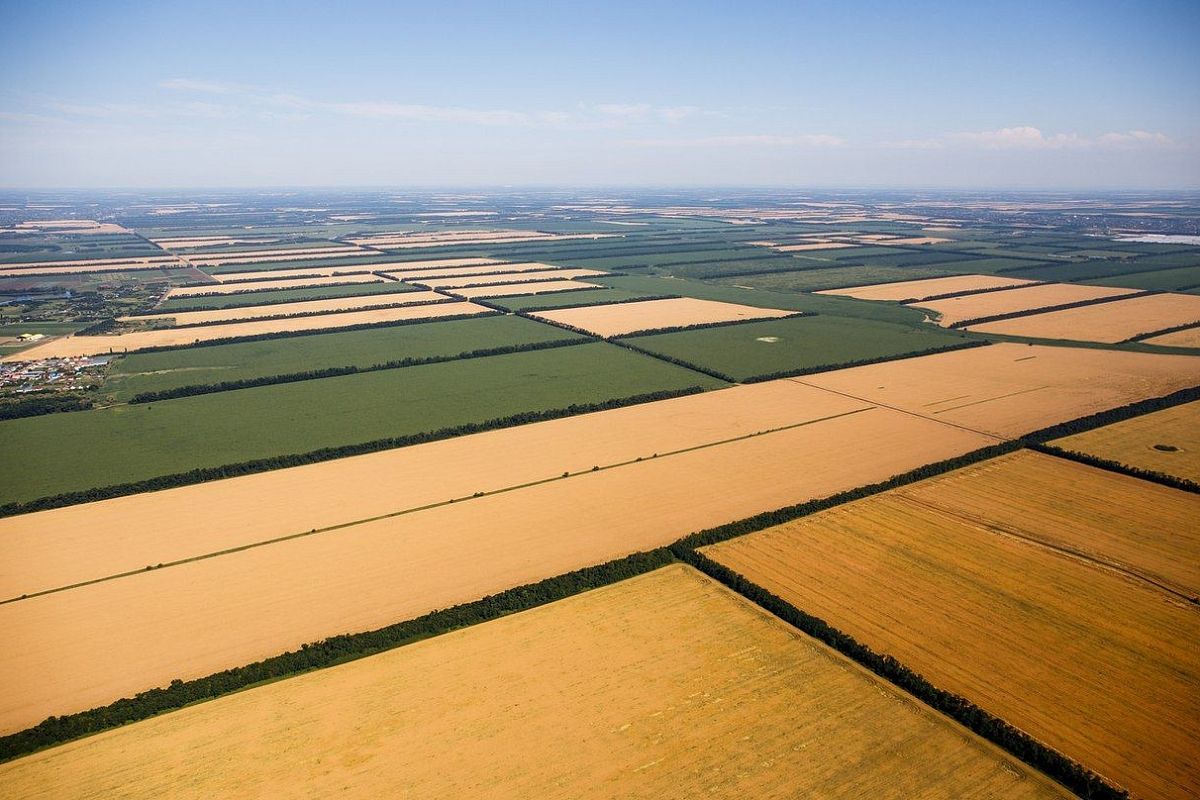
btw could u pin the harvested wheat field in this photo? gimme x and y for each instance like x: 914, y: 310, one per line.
x: 619, y: 319
x: 953, y: 310
x: 418, y: 271
x: 265, y: 256
x: 508, y: 277
x: 97, y: 265
x: 401, y: 241
x: 930, y: 287
x: 663, y: 685
x: 1099, y: 665
x: 1166, y: 441
x: 799, y: 248
x: 914, y: 240
x: 1108, y: 322
x: 266, y: 285
x: 1189, y: 337
x: 337, y: 304
x: 1008, y: 390
x: 91, y: 262
x: 206, y: 615
x: 70, y: 346
x: 185, y: 242
x: 513, y: 289
x: 64, y: 546
x: 288, y: 274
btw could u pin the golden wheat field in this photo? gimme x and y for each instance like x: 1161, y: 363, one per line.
x: 350, y: 303
x: 1189, y: 337
x: 199, y: 617
x: 514, y: 289
x: 953, y: 310
x: 1012, y: 389
x: 616, y: 319
x: 1166, y: 441
x: 972, y: 580
x: 1107, y: 322
x: 929, y: 287
x: 666, y: 685
x: 269, y: 283
x: 508, y: 277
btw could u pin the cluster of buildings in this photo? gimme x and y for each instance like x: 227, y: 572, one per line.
x: 62, y: 374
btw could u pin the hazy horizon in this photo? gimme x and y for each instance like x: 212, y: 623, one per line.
x: 1055, y: 96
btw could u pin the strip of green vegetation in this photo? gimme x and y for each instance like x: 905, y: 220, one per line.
x: 122, y: 444
x: 1084, y: 270
x: 751, y: 349
x: 812, y: 280
x: 170, y: 369
x: 559, y: 300
x: 271, y: 296
x: 1171, y: 280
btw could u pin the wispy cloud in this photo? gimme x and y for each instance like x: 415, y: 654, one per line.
x: 204, y: 87
x: 809, y: 140
x: 1027, y: 137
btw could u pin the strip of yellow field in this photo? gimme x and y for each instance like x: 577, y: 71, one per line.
x: 419, y: 269
x: 951, y: 310
x: 664, y: 685
x: 1008, y: 390
x: 1014, y: 583
x: 616, y: 319
x: 1166, y: 441
x: 56, y: 548
x: 1185, y: 338
x: 335, y: 305
x: 203, y: 616
x: 509, y: 277
x: 799, y: 248
x: 401, y: 241
x: 97, y: 265
x: 107, y: 263
x: 267, y: 256
x: 930, y: 287
x: 1107, y: 322
x: 268, y: 285
x: 72, y: 346
x: 512, y: 289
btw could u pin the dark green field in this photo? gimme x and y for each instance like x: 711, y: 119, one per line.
x: 1178, y: 280
x: 136, y: 442
x: 753, y: 349
x: 168, y: 369
x: 272, y: 296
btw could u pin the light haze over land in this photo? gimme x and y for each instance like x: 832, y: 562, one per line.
x: 1045, y: 95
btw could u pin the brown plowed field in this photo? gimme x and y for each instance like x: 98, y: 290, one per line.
x: 1099, y: 664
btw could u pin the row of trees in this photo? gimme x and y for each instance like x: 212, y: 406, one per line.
x: 333, y: 372
x: 35, y: 405
x: 335, y: 650
x: 962, y: 323
x: 862, y: 362
x: 329, y: 453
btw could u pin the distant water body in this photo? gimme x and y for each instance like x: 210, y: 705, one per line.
x: 1161, y: 238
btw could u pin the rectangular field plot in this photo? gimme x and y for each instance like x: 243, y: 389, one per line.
x: 591, y: 297
x: 326, y: 306
x: 418, y: 271
x: 71, y: 346
x: 1171, y: 280
x: 797, y: 343
x: 1166, y: 441
x: 275, y: 296
x: 136, y: 442
x: 201, y: 616
x: 1107, y: 322
x: 97, y: 265
x: 930, y: 287
x: 521, y: 289
x: 508, y: 277
x: 1008, y: 390
x: 824, y: 279
x: 677, y: 687
x: 161, y: 371
x: 1189, y: 337
x: 955, y: 310
x: 1029, y: 585
x: 235, y: 269
x: 624, y: 318
x: 272, y: 285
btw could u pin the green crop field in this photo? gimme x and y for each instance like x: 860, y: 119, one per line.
x: 137, y: 442
x: 1181, y: 279
x: 272, y: 296
x: 753, y: 349
x: 191, y: 366
x: 811, y: 280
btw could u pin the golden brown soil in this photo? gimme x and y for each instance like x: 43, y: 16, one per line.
x: 973, y: 306
x: 99, y: 345
x: 508, y: 277
x: 1012, y: 389
x: 511, y: 289
x: 1185, y: 338
x: 267, y: 285
x: 616, y: 319
x: 301, y: 307
x: 1107, y: 322
x: 931, y: 287
x: 952, y: 578
x: 1133, y: 442
x: 82, y: 647
x: 665, y: 685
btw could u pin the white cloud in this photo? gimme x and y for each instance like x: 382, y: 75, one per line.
x: 1027, y: 137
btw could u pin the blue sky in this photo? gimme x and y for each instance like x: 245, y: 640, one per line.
x: 163, y: 94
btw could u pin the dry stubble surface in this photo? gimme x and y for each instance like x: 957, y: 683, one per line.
x: 665, y: 685
x: 951, y: 310
x: 350, y: 303
x: 932, y: 287
x: 1133, y: 442
x: 616, y: 319
x: 1107, y: 322
x: 953, y: 577
x: 267, y: 284
x: 83, y: 647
